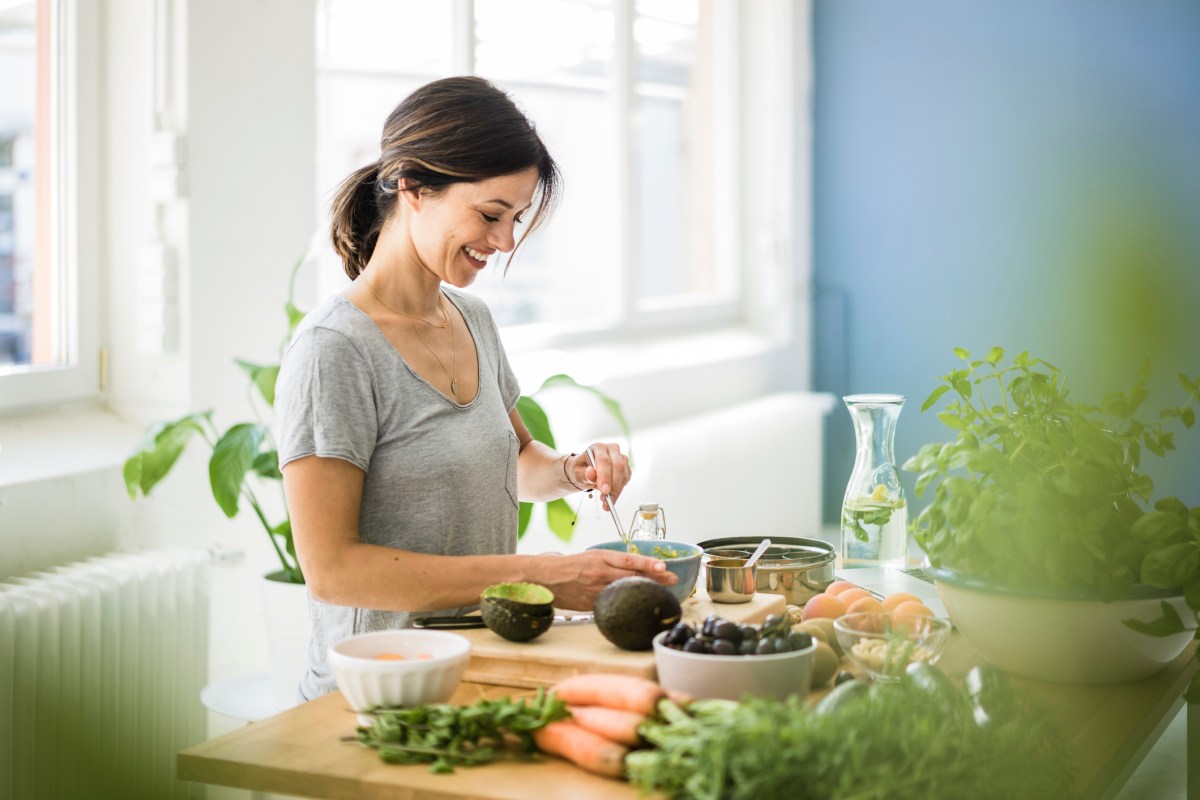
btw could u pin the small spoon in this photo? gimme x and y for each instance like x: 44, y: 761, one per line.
x: 762, y: 548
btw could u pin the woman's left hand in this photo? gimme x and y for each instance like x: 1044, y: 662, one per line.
x: 610, y: 474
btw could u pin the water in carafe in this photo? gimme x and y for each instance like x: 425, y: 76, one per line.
x: 874, y: 530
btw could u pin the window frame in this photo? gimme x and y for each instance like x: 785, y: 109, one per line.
x: 75, y: 218
x: 753, y: 265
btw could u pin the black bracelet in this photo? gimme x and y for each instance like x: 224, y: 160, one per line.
x: 567, y: 475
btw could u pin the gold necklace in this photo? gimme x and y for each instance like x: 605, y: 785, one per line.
x: 453, y: 356
x: 441, y: 307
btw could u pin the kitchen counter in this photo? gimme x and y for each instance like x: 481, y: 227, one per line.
x: 301, y: 751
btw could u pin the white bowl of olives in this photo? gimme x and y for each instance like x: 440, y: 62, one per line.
x: 726, y: 659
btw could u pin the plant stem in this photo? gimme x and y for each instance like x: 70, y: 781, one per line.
x: 287, y: 567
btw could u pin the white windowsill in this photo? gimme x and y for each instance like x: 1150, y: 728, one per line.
x: 61, y: 443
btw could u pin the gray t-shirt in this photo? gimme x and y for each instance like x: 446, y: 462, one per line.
x: 440, y: 477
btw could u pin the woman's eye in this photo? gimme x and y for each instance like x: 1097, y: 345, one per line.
x: 488, y: 218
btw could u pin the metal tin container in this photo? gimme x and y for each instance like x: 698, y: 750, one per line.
x: 729, y: 580
x: 793, y: 567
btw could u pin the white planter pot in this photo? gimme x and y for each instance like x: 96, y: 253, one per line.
x: 286, y: 611
x: 1062, y: 640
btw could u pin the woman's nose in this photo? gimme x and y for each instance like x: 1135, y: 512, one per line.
x: 501, y: 238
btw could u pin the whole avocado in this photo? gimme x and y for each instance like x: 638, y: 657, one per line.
x: 630, y: 612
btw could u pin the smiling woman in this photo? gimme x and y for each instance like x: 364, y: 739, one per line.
x: 403, y: 454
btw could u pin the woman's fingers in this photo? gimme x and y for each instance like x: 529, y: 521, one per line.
x: 610, y: 471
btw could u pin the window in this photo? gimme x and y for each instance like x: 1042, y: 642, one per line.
x: 638, y: 100
x: 48, y: 346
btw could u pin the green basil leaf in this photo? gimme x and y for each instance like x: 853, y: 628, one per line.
x: 951, y: 421
x: 933, y: 397
x: 1166, y: 625
x: 1158, y: 527
x: 1170, y: 566
x: 962, y: 353
x: 994, y: 355
x: 1191, y: 592
x: 1172, y: 504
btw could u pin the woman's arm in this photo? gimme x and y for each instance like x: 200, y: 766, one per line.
x: 544, y: 475
x: 323, y: 498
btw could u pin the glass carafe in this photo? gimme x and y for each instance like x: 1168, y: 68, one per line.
x: 649, y: 522
x: 874, y: 513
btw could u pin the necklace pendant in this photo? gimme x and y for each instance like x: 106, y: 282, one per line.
x: 454, y: 388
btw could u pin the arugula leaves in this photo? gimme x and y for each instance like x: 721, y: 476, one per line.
x: 446, y: 736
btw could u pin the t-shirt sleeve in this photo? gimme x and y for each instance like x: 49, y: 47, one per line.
x: 325, y: 400
x: 510, y: 389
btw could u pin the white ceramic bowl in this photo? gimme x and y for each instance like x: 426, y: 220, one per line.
x: 729, y: 677
x: 430, y: 671
x: 1062, y: 640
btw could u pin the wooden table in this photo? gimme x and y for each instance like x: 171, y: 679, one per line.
x: 301, y: 752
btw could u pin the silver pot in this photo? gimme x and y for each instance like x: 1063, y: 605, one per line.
x: 796, y: 568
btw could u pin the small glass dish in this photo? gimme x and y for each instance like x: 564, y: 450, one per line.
x: 883, y: 647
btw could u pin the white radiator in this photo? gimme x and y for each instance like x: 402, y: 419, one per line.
x: 101, y: 667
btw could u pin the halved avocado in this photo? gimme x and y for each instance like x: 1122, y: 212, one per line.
x: 525, y: 598
x: 517, y: 611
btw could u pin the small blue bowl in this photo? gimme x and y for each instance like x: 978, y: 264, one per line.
x: 686, y: 565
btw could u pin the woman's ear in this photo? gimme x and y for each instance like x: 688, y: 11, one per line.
x: 410, y: 193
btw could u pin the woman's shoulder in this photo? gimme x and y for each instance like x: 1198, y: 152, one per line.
x: 334, y: 319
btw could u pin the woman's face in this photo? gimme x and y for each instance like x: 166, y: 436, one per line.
x: 455, y: 231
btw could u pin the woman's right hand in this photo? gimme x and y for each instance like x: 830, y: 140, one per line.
x: 578, y: 579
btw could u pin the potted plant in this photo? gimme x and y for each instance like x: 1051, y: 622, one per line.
x: 244, y: 460
x: 1039, y: 533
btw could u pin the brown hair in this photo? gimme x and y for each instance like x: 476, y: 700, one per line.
x: 452, y: 130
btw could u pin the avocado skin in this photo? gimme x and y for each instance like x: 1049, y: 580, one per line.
x: 520, y: 612
x: 630, y: 612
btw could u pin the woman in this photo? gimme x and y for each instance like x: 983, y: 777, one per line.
x: 399, y: 440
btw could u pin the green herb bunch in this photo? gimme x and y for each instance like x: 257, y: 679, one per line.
x: 446, y: 736
x: 891, y: 741
x: 1037, y: 490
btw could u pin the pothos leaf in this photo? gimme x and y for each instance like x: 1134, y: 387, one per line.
x: 524, y: 515
x: 535, y: 419
x: 560, y: 519
x: 232, y: 458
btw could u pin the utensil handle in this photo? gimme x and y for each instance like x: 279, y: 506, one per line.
x: 449, y: 623
x: 612, y: 506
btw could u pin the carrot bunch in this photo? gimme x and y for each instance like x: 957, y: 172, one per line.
x: 606, y: 710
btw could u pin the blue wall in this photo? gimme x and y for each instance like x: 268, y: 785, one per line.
x: 1023, y: 173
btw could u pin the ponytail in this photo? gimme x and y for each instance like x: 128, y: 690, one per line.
x: 359, y: 208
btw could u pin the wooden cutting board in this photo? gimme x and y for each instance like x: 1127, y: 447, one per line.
x: 576, y: 648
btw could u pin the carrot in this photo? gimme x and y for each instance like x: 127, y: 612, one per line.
x: 625, y: 692
x: 582, y: 748
x: 614, y: 724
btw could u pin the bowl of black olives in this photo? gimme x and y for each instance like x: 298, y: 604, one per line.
x: 727, y: 659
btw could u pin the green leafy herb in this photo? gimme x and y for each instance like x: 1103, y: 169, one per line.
x: 445, y: 736
x: 1039, y: 490
x: 922, y: 740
